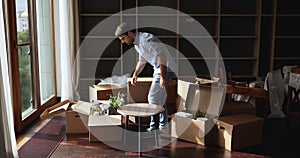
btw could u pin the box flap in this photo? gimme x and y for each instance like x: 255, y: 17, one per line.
x: 106, y: 87
x: 55, y: 109
x: 82, y: 107
x: 183, y: 87
x: 208, y: 99
x: 142, y: 80
x: 207, y: 81
x: 147, y: 80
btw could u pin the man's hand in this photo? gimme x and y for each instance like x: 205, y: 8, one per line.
x: 133, y: 80
x: 162, y: 65
x: 163, y: 83
x: 138, y: 69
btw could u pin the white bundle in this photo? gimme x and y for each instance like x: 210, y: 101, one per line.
x: 119, y: 81
x: 294, y: 80
x: 184, y: 114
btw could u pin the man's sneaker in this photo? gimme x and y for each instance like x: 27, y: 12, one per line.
x: 150, y: 129
x: 164, y: 129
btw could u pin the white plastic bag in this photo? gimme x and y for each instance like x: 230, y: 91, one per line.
x: 294, y: 80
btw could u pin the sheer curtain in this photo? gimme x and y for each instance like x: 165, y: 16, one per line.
x: 67, y: 51
x: 8, y: 147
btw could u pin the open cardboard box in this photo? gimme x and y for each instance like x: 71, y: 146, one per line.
x: 139, y: 92
x: 103, y: 92
x: 76, y: 115
x: 197, y: 131
x: 192, y: 96
x: 208, y: 99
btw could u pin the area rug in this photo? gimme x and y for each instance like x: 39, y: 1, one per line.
x: 45, y: 141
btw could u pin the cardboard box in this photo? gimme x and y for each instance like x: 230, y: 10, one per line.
x: 205, y: 98
x: 196, y: 131
x: 188, y: 89
x: 102, y: 92
x: 239, y: 131
x: 105, y: 128
x: 76, y: 115
x: 139, y: 93
x: 208, y: 99
x: 77, y: 118
x: 76, y: 123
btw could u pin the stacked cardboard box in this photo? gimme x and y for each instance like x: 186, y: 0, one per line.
x: 233, y: 131
x: 239, y: 131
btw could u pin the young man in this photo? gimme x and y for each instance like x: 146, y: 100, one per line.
x: 150, y: 50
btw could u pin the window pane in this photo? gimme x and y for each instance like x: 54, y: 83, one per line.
x: 45, y: 49
x: 24, y: 57
x: 25, y: 80
x: 22, y: 21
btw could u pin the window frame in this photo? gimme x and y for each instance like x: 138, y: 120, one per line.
x: 19, y: 122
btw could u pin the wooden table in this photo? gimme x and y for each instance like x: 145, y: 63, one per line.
x: 139, y: 110
x: 254, y: 92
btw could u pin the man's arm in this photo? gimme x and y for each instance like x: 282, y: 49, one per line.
x: 162, y: 65
x: 138, y: 69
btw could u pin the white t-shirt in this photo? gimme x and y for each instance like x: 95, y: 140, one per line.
x: 148, y: 47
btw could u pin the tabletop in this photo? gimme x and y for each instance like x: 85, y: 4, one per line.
x: 140, y: 109
x: 255, y: 92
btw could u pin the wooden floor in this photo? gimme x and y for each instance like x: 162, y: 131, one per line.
x: 79, y: 146
x: 281, y: 138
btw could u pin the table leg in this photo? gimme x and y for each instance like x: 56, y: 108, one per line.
x: 139, y: 137
x: 124, y: 133
x: 267, y: 107
x: 156, y: 137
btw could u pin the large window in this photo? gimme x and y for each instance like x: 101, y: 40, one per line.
x: 32, y: 58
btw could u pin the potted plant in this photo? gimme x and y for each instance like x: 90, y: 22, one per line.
x: 116, y: 102
x: 201, y: 115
